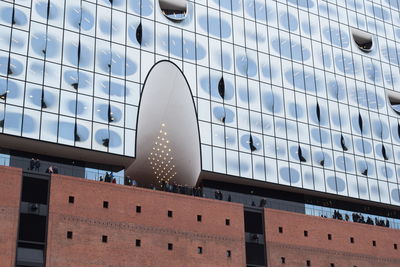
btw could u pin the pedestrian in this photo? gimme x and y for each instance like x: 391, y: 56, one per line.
x: 107, y: 178
x: 37, y: 165
x: 49, y: 170
x: 32, y: 164
x: 127, y: 180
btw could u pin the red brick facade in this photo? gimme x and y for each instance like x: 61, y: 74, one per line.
x: 296, y: 248
x: 10, y: 190
x: 196, y: 228
x: 88, y: 221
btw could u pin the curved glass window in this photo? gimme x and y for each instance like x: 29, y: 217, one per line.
x: 221, y: 88
x: 139, y: 33
x: 175, y: 10
x: 394, y: 101
x: 363, y: 40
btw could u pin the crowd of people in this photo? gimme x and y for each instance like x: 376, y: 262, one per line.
x: 219, y: 196
x: 129, y: 181
x: 34, y: 165
x: 108, y: 178
x: 164, y: 186
x: 359, y: 218
x: 180, y: 189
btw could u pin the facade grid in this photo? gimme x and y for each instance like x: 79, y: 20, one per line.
x: 302, y: 105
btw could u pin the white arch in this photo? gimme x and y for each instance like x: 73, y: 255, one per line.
x: 167, y: 129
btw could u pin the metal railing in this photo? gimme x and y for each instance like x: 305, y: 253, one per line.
x: 346, y: 215
x: 101, y: 175
x: 4, y: 160
x: 313, y: 210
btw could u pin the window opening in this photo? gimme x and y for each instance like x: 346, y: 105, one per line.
x: 251, y: 144
x: 363, y: 40
x: 175, y: 10
x: 69, y: 235
x: 221, y: 87
x: 360, y: 122
x: 342, y: 142
x: 300, y: 154
x: 139, y: 32
x: 394, y: 102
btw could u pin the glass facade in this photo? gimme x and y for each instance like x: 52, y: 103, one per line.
x: 292, y: 92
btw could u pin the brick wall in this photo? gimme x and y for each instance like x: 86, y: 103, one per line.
x: 296, y: 248
x: 10, y: 191
x: 89, y: 221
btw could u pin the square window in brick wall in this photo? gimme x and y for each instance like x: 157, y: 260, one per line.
x: 69, y: 235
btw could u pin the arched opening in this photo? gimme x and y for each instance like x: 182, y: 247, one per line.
x: 394, y: 101
x: 363, y: 40
x: 168, y: 142
x: 175, y: 10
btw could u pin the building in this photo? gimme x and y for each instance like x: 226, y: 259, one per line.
x: 269, y: 105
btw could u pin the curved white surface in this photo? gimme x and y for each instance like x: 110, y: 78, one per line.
x: 167, y: 132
